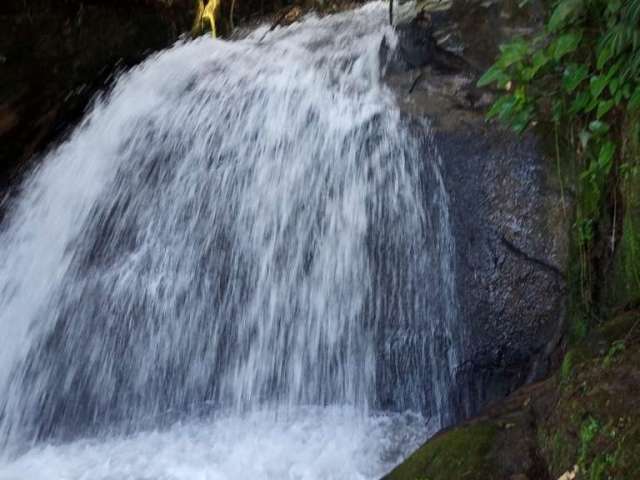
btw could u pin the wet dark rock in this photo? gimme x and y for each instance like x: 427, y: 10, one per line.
x: 419, y: 48
x: 416, y: 48
x: 512, y: 250
x: 510, y: 221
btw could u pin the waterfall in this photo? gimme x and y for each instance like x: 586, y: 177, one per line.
x: 244, y: 249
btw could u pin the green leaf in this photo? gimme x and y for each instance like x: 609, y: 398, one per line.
x: 565, y: 11
x: 557, y: 109
x: 614, y: 69
x: 598, y: 84
x: 503, y: 107
x: 520, y: 94
x: 573, y: 76
x: 614, y: 6
x: 618, y: 97
x: 592, y: 105
x: 604, y: 55
x: 633, y: 11
x: 539, y: 60
x: 598, y: 127
x: 493, y: 75
x: 589, y: 174
x: 580, y: 102
x: 565, y: 44
x: 604, y: 108
x: 513, y: 52
x: 606, y: 155
x: 521, y: 120
x: 584, y: 137
x: 634, y: 101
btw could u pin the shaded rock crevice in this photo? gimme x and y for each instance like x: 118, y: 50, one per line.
x: 529, y: 258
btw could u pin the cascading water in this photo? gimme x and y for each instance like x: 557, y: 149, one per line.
x: 237, y: 267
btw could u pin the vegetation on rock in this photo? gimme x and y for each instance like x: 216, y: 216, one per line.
x: 583, y: 423
x: 581, y: 74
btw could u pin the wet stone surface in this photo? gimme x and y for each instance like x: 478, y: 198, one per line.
x: 509, y: 218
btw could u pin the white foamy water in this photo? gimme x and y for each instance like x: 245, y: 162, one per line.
x: 331, y: 444
x: 238, y: 267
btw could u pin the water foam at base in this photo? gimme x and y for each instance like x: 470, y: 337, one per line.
x: 310, y: 444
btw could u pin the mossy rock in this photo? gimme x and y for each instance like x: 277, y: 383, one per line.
x: 586, y: 415
x: 499, y: 445
x: 460, y: 453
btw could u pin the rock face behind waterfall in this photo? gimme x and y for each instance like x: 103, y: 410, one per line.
x: 54, y: 55
x: 507, y: 209
x: 511, y: 260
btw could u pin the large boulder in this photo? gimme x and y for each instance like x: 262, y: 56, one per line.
x: 509, y: 214
x: 583, y: 422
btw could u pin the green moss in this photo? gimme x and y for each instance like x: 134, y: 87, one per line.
x: 628, y: 453
x: 600, y: 467
x: 615, y: 349
x: 578, y: 283
x: 588, y: 432
x: 625, y: 278
x: 567, y: 366
x: 624, y: 284
x: 462, y: 453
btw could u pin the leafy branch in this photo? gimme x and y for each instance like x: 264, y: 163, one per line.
x: 582, y: 73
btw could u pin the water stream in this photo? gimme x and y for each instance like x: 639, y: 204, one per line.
x: 239, y: 266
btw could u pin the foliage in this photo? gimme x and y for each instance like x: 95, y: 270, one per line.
x: 617, y: 347
x: 573, y: 71
x: 588, y: 432
x: 582, y: 73
x: 567, y: 366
